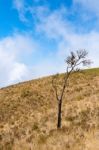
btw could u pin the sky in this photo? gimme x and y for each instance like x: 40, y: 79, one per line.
x: 37, y: 35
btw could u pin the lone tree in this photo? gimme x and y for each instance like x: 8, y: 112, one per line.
x: 73, y: 62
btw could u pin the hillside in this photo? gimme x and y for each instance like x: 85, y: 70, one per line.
x: 28, y: 115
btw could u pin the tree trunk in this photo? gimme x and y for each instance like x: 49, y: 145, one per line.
x: 59, y: 114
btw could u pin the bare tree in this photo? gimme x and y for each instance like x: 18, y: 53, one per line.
x: 73, y: 61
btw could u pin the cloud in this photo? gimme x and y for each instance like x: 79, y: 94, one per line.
x: 18, y: 72
x: 90, y: 5
x: 19, y: 43
x: 56, y: 27
x: 21, y: 7
x: 12, y: 49
x: 28, y: 14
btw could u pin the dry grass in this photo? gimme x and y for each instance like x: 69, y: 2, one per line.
x: 28, y: 115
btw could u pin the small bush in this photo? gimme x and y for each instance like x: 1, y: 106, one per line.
x: 42, y: 139
x: 35, y: 126
x: 26, y: 93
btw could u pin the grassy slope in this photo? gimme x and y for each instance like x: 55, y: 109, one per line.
x: 28, y: 115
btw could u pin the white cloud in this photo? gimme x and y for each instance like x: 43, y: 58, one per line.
x: 19, y: 4
x: 12, y: 49
x: 90, y: 5
x: 55, y: 27
x: 18, y: 43
x: 21, y: 7
x: 87, y: 41
x: 19, y: 71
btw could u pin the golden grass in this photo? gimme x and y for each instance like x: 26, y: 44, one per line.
x: 28, y: 115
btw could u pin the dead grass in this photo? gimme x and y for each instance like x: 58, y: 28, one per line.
x: 28, y: 115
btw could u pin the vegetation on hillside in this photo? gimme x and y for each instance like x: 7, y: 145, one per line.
x: 28, y: 115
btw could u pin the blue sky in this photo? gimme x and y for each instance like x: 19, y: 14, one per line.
x: 37, y: 35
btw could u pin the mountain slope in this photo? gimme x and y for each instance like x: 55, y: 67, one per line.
x: 28, y: 115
